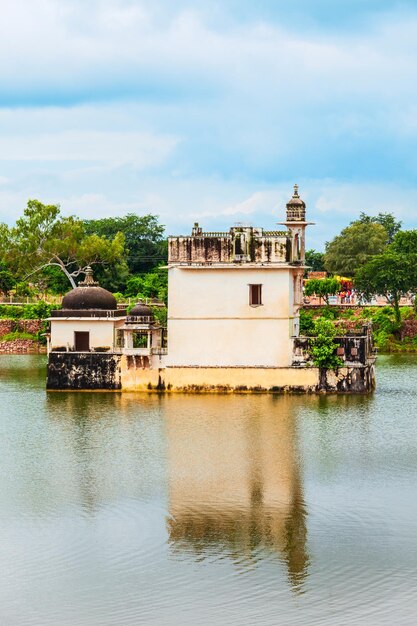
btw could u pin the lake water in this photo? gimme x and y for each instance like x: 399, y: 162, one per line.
x: 207, y: 510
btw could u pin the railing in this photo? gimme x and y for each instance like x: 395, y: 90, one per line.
x: 88, y: 313
x: 159, y: 351
x: 18, y: 301
x: 140, y: 319
x: 354, y: 346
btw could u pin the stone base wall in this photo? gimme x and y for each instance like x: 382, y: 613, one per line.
x: 21, y: 346
x: 240, y: 379
x: 82, y: 371
x: 22, y: 326
x: 351, y: 379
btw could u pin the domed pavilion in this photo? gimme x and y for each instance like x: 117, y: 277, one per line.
x: 88, y: 320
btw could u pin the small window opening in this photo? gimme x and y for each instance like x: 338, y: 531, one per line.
x: 140, y: 340
x: 255, y: 295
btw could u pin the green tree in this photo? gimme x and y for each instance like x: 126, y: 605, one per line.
x: 355, y: 245
x: 405, y: 242
x: 43, y: 238
x: 322, y: 287
x: 151, y: 285
x: 387, y: 220
x: 7, y: 280
x: 323, y: 346
x: 391, y: 275
x: 315, y: 260
x: 144, y: 238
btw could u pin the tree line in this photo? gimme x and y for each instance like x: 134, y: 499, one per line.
x: 376, y: 253
x: 46, y: 251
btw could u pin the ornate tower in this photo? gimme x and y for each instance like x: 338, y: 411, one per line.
x: 296, y: 224
x: 296, y: 208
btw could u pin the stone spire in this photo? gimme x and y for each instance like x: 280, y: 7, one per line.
x: 296, y: 208
x: 88, y: 280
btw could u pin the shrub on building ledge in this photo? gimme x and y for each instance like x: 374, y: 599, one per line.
x: 323, y: 346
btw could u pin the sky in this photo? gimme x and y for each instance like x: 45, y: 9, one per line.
x: 210, y: 110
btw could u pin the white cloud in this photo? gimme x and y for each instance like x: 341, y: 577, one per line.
x: 87, y: 47
x: 113, y: 148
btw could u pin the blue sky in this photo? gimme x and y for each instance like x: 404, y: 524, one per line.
x: 210, y: 110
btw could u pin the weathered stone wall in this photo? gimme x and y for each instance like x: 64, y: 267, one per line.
x: 199, y: 249
x: 227, y: 248
x: 29, y: 326
x: 354, y: 379
x: 7, y: 326
x: 351, y: 379
x: 25, y: 326
x: 83, y: 371
x: 21, y: 346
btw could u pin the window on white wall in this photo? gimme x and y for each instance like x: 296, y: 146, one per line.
x: 255, y: 295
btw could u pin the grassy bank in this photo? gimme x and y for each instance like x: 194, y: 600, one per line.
x: 389, y: 336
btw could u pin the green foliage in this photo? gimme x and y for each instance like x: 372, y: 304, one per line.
x: 322, y: 287
x: 323, y: 345
x: 152, y: 285
x: 306, y: 322
x: 161, y: 314
x: 328, y: 313
x: 40, y: 310
x: 24, y: 290
x: 144, y: 238
x: 315, y: 260
x: 7, y: 280
x: 18, y: 335
x: 42, y: 238
x: 405, y: 242
x: 11, y: 311
x: 355, y: 245
x: 54, y: 279
x: 389, y: 274
x: 387, y: 220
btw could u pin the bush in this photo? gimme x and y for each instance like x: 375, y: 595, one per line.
x: 17, y: 335
x: 306, y: 322
x: 322, y: 345
x: 328, y: 313
x: 39, y: 311
x: 11, y: 312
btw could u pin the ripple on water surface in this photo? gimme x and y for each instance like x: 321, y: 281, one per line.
x: 135, y: 509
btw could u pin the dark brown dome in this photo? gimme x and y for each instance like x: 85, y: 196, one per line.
x: 141, y: 310
x: 296, y: 208
x: 82, y: 298
x: 296, y: 200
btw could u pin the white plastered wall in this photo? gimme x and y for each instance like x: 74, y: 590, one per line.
x: 101, y: 331
x: 210, y: 321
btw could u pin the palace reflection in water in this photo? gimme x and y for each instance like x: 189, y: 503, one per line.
x: 235, y: 485
x: 184, y: 509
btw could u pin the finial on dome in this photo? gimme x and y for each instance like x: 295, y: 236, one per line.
x: 88, y: 280
x: 296, y: 207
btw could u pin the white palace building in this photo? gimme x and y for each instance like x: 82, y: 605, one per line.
x: 233, y: 321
